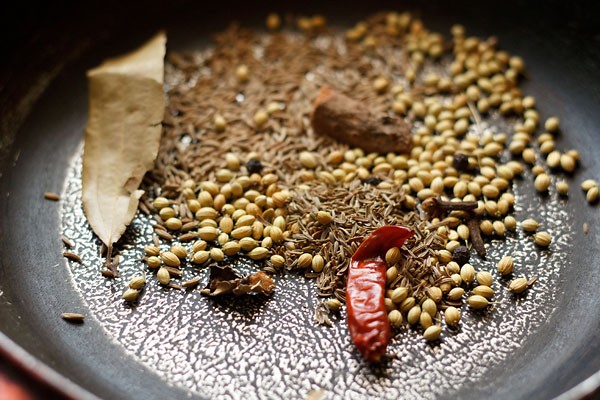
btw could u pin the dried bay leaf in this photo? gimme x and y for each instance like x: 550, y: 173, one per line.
x: 122, y: 137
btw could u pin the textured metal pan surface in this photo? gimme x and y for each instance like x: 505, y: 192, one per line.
x: 535, y: 348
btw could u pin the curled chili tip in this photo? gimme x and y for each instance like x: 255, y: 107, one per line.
x: 365, y: 291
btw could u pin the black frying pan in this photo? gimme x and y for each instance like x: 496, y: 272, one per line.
x: 43, y: 106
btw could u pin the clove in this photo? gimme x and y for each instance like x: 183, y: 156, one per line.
x: 435, y: 206
x: 475, y: 234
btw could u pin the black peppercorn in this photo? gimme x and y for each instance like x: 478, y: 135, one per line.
x: 461, y: 255
x: 461, y: 162
x: 254, y: 166
x: 372, y: 181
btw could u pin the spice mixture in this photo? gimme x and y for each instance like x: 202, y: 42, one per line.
x: 242, y: 174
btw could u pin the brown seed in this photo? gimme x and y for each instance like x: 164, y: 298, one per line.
x: 51, y: 196
x: 72, y: 256
x: 72, y: 317
x: 191, y: 283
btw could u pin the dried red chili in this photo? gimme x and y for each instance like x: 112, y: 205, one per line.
x: 365, y: 291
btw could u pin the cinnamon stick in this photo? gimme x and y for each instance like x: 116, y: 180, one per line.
x: 350, y: 122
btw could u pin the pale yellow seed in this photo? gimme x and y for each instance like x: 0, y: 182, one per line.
x: 567, y: 163
x: 231, y: 248
x: 200, y: 257
x: 160, y: 203
x: 217, y: 254
x: 208, y: 233
x: 199, y: 245
x: 407, y: 304
x: 537, y: 170
x: 173, y: 224
x: 318, y: 263
x: 456, y: 279
x: 429, y: 307
x: 467, y: 273
x: 242, y: 73
x: 391, y: 274
x: 484, y: 278
x: 308, y: 159
x: 499, y: 228
x: 179, y: 251
x: 395, y: 318
x: 425, y: 320
x: 518, y: 285
x: 137, y: 282
x: 392, y: 256
x: 435, y: 294
x: 588, y: 184
x: 456, y: 293
x: 452, y: 316
x: 226, y: 225
x: 305, y: 260
x: 260, y: 118
x: 529, y: 156
x: 131, y: 295
x: 258, y: 253
x: 542, y: 239
x: 248, y: 243
x: 484, y: 291
x: 380, y: 85
x: 552, y: 124
x: 452, y: 267
x: 592, y: 195
x: 432, y: 333
x: 163, y: 276
x: 151, y: 250
x: 477, y: 302
x: 166, y: 213
x: 529, y: 225
x: 562, y: 187
x: 324, y: 218
x: 153, y: 262
x: 399, y: 295
x: 277, y: 261
x: 413, y: 315
x: 170, y: 259
x: 246, y: 220
x: 220, y: 123
x: 241, y: 232
x: 510, y: 223
x: 463, y: 232
x: 553, y: 159
x: 542, y: 182
x: 505, y: 265
x: 276, y: 234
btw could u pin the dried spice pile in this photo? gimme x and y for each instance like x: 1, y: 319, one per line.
x: 241, y: 173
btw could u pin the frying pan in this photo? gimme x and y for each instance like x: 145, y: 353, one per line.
x: 43, y: 109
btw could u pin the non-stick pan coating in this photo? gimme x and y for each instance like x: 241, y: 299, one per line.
x: 43, y: 107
